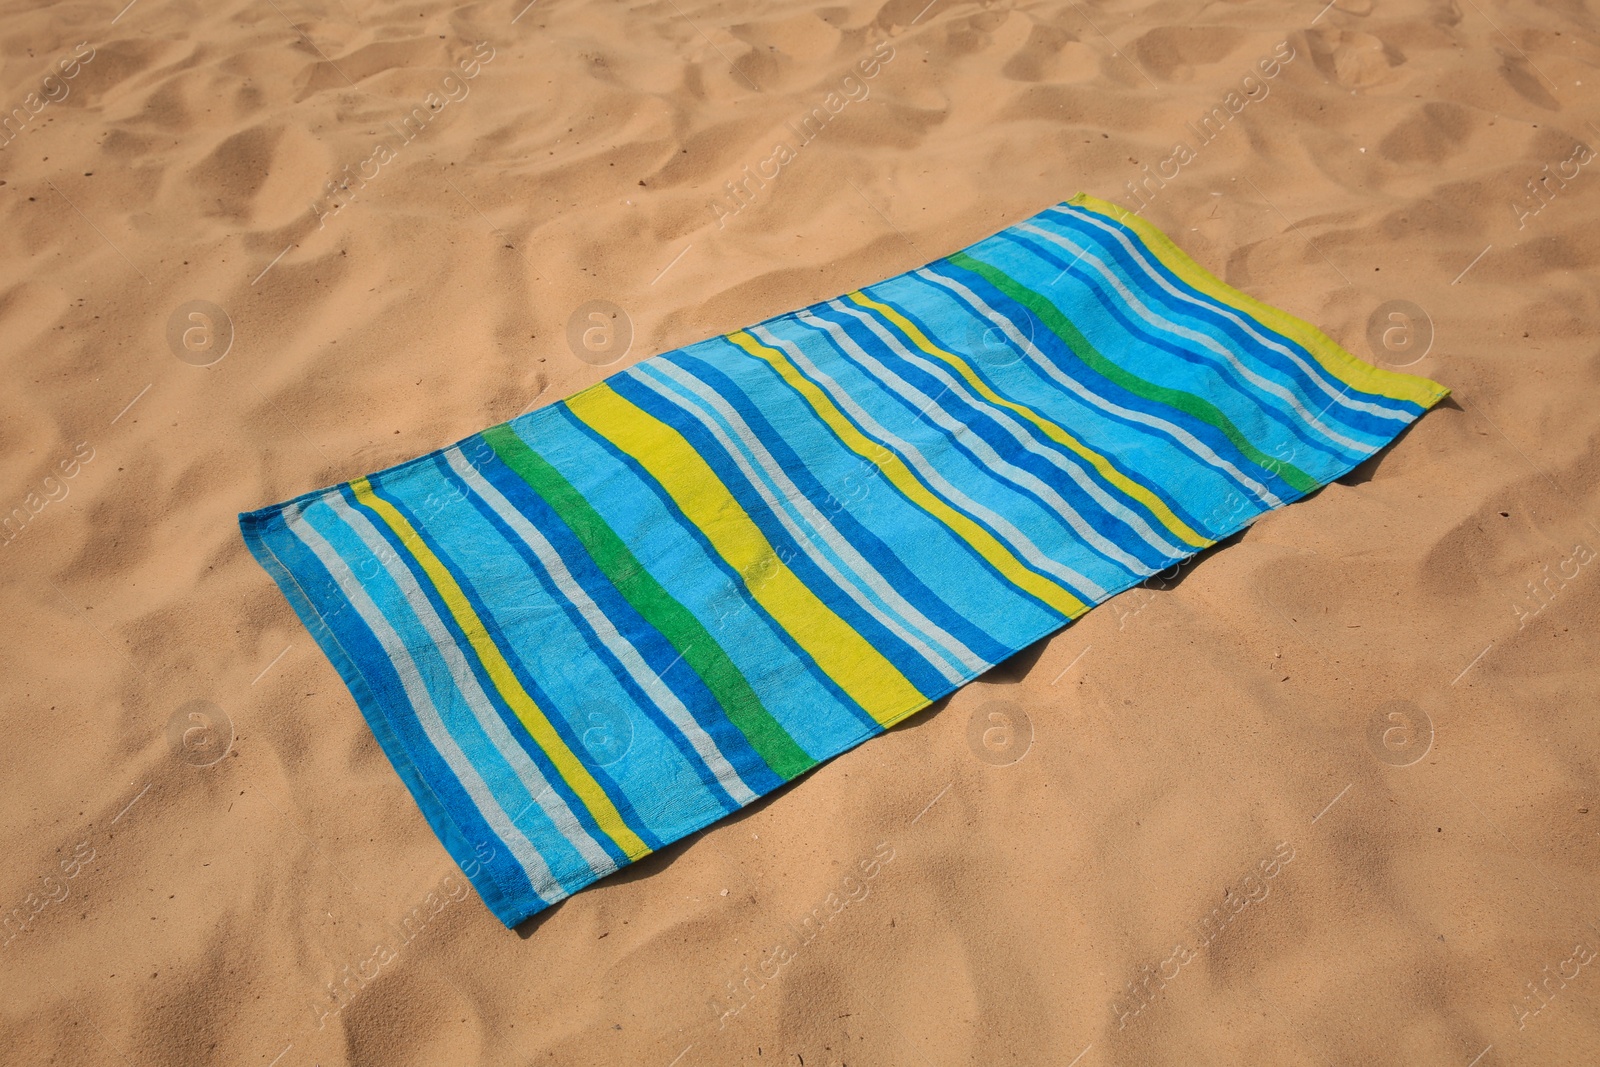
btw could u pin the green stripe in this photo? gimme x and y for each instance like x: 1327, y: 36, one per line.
x: 675, y: 622
x: 1187, y: 403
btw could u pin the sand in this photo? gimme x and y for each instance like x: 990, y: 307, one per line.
x: 1326, y: 796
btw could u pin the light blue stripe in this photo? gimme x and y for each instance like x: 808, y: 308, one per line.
x: 486, y: 780
x: 520, y: 788
x: 665, y: 792
x: 1131, y: 513
x: 1336, y: 391
x: 810, y: 714
x: 1167, y: 426
x: 995, y: 467
x: 1017, y: 372
x: 968, y: 587
x: 1078, y: 301
x: 807, y: 523
x: 1025, y: 527
x: 1249, y: 383
x: 1110, y: 325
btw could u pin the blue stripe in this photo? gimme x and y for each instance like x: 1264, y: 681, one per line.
x: 1039, y: 525
x: 976, y: 417
x: 508, y: 651
x: 952, y: 310
x: 1213, y: 319
x: 926, y: 544
x: 922, y: 547
x: 1243, y: 403
x: 654, y: 771
x: 1203, y: 484
x: 391, y: 717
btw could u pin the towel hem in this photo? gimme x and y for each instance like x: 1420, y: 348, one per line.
x: 455, y: 842
x: 1424, y: 392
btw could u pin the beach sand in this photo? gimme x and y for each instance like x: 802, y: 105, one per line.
x: 1327, y: 796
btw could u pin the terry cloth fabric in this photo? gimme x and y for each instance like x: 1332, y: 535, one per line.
x: 604, y: 625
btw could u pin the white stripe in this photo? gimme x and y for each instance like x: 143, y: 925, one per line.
x: 539, y: 789
x: 1066, y: 462
x: 1177, y: 433
x: 1317, y: 373
x: 637, y: 668
x: 998, y: 466
x: 544, y: 883
x: 1014, y: 537
x: 1162, y: 323
x: 789, y: 500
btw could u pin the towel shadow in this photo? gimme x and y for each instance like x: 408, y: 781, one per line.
x: 1015, y: 668
x: 1174, y: 576
x: 1366, y: 470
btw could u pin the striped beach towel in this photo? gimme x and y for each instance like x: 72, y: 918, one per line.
x: 606, y: 624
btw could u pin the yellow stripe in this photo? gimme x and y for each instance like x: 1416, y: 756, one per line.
x: 894, y: 469
x: 571, y: 770
x: 1335, y: 360
x: 1053, y: 430
x: 842, y: 653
